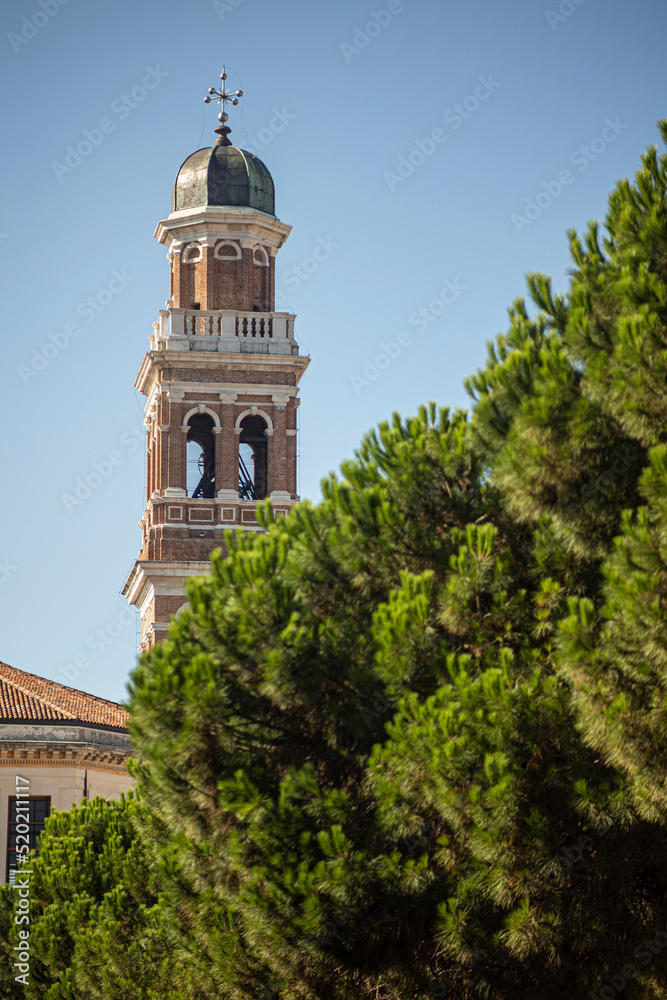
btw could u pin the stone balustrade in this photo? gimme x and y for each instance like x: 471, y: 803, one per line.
x: 224, y: 330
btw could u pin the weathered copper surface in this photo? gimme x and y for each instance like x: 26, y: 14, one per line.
x: 223, y: 175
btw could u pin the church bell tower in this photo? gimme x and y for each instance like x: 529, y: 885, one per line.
x: 220, y: 379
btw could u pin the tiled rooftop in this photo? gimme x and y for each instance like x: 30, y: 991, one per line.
x: 30, y: 698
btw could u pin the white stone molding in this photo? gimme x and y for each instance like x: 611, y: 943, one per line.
x: 260, y: 256
x: 228, y: 397
x: 227, y: 250
x: 291, y: 432
x: 199, y: 408
x: 254, y: 411
x: 189, y: 255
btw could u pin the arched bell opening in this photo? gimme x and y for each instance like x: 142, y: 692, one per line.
x: 201, y: 457
x: 253, y: 459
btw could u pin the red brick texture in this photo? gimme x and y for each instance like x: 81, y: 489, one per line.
x: 244, y: 285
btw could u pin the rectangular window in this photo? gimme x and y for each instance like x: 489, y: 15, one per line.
x: 26, y: 821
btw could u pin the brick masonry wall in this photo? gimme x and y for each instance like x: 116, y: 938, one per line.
x: 242, y: 285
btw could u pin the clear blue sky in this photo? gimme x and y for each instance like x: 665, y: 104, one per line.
x: 353, y: 107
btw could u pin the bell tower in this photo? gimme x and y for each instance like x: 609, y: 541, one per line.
x: 220, y: 379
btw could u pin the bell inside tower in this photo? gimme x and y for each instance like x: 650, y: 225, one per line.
x: 253, y: 466
x: 221, y: 376
x: 201, y: 457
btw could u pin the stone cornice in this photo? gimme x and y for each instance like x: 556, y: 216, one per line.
x: 59, y: 731
x: 27, y: 752
x: 217, y: 222
x: 155, y: 362
x: 147, y: 574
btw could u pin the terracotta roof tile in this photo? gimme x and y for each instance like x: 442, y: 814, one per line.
x: 31, y: 698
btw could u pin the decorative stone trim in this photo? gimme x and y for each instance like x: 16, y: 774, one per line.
x: 189, y: 258
x: 227, y: 246
x: 27, y: 753
x: 201, y: 515
x: 200, y: 408
x: 253, y: 411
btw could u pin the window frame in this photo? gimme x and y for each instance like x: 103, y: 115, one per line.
x: 31, y: 834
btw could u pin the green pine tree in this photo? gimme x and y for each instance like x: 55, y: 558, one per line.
x: 410, y: 742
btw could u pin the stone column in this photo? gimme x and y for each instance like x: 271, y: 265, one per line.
x: 176, y: 290
x: 207, y: 285
x: 177, y: 476
x: 227, y: 450
x: 163, y: 457
x: 278, y: 463
x: 272, y: 279
x: 270, y: 461
x: 245, y: 293
x: 291, y: 461
x: 149, y: 461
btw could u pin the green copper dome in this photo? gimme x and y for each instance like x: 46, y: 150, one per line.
x: 224, y: 175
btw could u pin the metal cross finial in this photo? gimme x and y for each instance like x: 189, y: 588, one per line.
x: 224, y: 96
